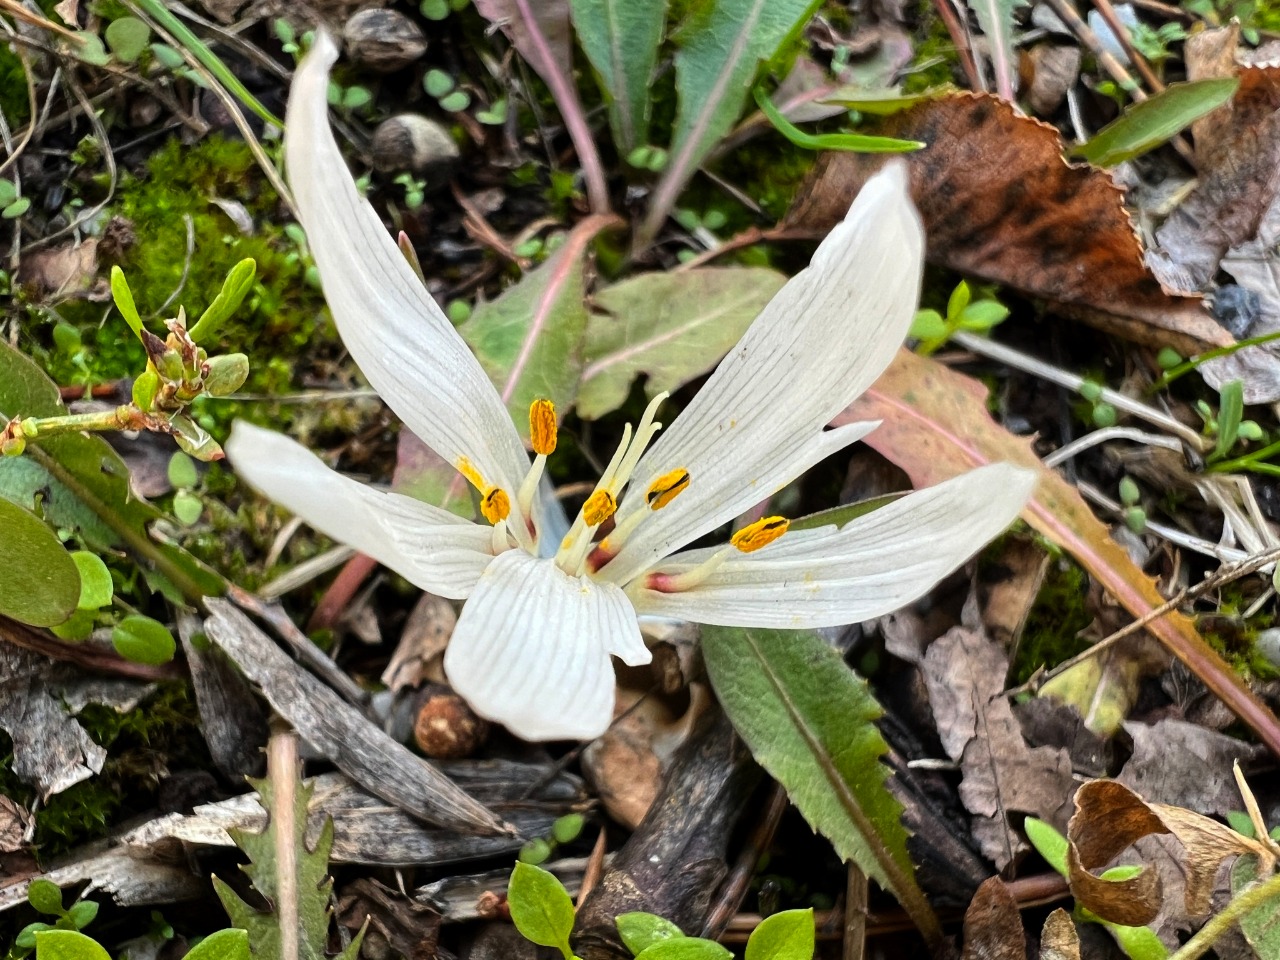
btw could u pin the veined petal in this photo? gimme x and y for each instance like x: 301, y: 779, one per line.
x: 531, y: 649
x: 402, y: 341
x: 430, y: 547
x: 869, y: 567
x: 821, y: 342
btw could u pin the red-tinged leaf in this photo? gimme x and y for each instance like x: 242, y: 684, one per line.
x: 936, y: 426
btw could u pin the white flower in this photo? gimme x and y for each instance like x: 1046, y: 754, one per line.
x: 531, y: 649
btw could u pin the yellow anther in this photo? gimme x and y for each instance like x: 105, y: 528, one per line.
x: 599, y: 508
x: 542, y: 427
x: 760, y: 534
x: 495, y: 505
x: 666, y: 488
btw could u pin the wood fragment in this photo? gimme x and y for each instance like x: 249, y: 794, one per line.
x: 231, y: 719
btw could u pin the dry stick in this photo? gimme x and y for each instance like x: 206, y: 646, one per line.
x: 1215, y: 579
x: 961, y: 41
x: 282, y: 771
x: 734, y: 887
x: 855, y: 914
x: 1108, y: 12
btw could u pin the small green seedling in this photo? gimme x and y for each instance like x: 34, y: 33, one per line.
x: 980, y: 316
x: 563, y: 831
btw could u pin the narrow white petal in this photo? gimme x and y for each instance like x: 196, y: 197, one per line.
x: 430, y: 547
x: 531, y: 649
x: 815, y: 348
x: 869, y: 567
x: 402, y: 341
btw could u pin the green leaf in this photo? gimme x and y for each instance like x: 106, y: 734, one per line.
x: 983, y: 315
x: 96, y: 588
x: 16, y: 209
x: 82, y: 913
x: 995, y: 19
x: 123, y: 297
x: 224, y: 945
x: 929, y: 325
x: 8, y: 192
x: 68, y: 945
x: 788, y: 935
x: 685, y: 948
x: 187, y: 507
x: 456, y: 101
x: 39, y: 583
x: 1049, y: 843
x: 26, y: 937
x: 235, y: 288
x: 45, y: 896
x: 1230, y: 413
x: 839, y: 516
x: 1261, y: 925
x: 621, y: 39
x: 849, y: 142
x: 143, y: 640
x: 568, y: 828
x: 437, y: 83
x: 959, y: 300
x: 1141, y: 943
x: 721, y: 47
x: 1146, y: 125
x: 809, y: 721
x: 541, y: 908
x: 182, y: 471
x: 640, y: 930
x: 127, y: 37
x: 671, y: 327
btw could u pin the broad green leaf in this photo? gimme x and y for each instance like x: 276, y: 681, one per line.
x: 995, y: 19
x: 224, y: 945
x: 540, y: 907
x: 143, y: 640
x: 809, y: 721
x: 640, y: 930
x: 1144, y: 126
x: 84, y: 484
x: 96, y: 588
x: 685, y: 948
x: 721, y: 47
x: 235, y: 287
x: 849, y: 142
x: 127, y: 37
x: 310, y: 887
x: 68, y: 945
x: 788, y: 935
x: 671, y: 327
x: 529, y: 340
x: 45, y: 896
x: 39, y: 583
x: 621, y: 38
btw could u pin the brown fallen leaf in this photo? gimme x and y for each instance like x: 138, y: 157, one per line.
x: 1185, y: 765
x: 964, y: 673
x: 1008, y: 588
x: 936, y: 425
x: 1000, y: 203
x: 398, y: 925
x: 993, y: 925
x: 1059, y: 940
x: 66, y: 271
x: 1110, y: 817
x: 14, y: 820
x: 418, y: 655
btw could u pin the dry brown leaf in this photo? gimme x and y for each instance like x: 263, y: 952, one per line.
x: 1000, y: 203
x: 1185, y: 765
x: 65, y: 271
x: 993, y: 925
x: 1110, y: 817
x: 422, y: 642
x: 14, y: 820
x: 936, y: 426
x: 964, y: 673
x: 1008, y: 587
x: 1059, y: 940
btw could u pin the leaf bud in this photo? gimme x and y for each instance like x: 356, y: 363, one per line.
x: 227, y: 374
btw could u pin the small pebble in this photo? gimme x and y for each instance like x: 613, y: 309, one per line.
x: 383, y: 40
x: 413, y: 143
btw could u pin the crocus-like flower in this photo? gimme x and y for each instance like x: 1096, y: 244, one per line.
x: 532, y: 646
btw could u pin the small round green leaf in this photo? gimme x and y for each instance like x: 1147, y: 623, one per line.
x: 685, y: 948
x: 82, y: 913
x: 182, y: 471
x: 45, y: 896
x: 568, y: 827
x: 437, y: 83
x: 96, y: 588
x: 143, y: 640
x: 187, y: 507
x: 540, y: 906
x: 641, y: 930
x: 223, y: 945
x: 127, y: 37
x: 26, y: 938
x: 40, y: 585
x: 68, y: 945
x: 458, y: 100
x: 783, y: 936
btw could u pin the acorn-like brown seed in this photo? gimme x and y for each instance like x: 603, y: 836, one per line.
x: 383, y: 40
x: 410, y: 142
x: 446, y: 728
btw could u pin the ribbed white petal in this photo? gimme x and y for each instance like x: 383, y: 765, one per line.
x: 871, y: 566
x: 430, y: 547
x: 531, y: 649
x: 816, y: 347
x: 402, y: 341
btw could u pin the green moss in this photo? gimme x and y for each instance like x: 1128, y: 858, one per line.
x: 1052, y: 631
x: 935, y: 53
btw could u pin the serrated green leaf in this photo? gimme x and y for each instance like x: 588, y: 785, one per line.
x: 45, y: 896
x: 143, y: 640
x: 640, y: 930
x: 224, y: 945
x: 809, y: 721
x: 685, y: 948
x: 621, y: 39
x: 671, y: 327
x: 541, y: 908
x: 1144, y: 126
x: 39, y: 583
x: 235, y: 288
x: 788, y: 935
x: 68, y: 945
x: 127, y: 37
x: 96, y: 588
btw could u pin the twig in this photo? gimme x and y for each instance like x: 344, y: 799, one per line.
x: 961, y: 40
x: 1081, y: 444
x: 734, y: 887
x: 1108, y: 12
x: 855, y: 910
